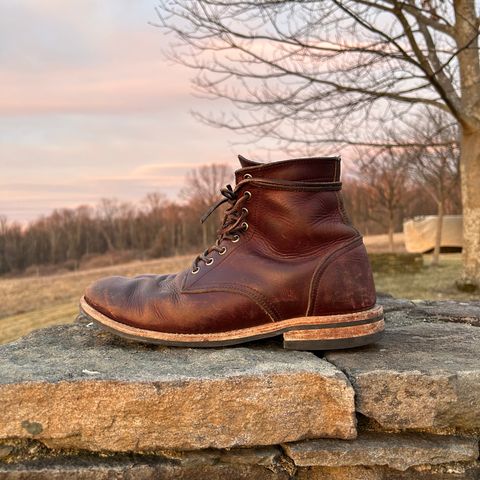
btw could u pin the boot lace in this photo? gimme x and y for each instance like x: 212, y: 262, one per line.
x: 233, y: 225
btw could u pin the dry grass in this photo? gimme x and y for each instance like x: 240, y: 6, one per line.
x: 16, y: 326
x: 35, y: 302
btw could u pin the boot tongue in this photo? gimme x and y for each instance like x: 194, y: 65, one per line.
x: 245, y: 162
x: 315, y: 169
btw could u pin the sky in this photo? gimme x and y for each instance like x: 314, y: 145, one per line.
x: 90, y: 108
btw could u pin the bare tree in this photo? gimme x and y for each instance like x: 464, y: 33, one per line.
x: 204, y: 183
x: 387, y: 177
x: 437, y: 165
x: 202, y: 189
x: 334, y: 71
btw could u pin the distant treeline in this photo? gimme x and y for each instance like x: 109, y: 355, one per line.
x: 158, y: 227
x: 66, y: 236
x: 155, y: 227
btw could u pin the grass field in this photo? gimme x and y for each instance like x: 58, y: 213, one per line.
x: 35, y: 302
x: 431, y: 283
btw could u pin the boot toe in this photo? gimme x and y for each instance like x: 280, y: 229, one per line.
x: 132, y: 301
x: 108, y: 295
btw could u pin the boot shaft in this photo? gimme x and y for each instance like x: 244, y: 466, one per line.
x: 296, y: 218
x: 296, y: 239
x: 297, y: 204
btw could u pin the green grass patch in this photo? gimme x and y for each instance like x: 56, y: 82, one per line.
x: 429, y: 283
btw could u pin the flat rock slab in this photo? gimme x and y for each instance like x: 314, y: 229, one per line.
x: 262, y: 463
x: 448, y: 311
x: 420, y: 376
x: 456, y: 471
x: 391, y: 304
x: 75, y: 386
x: 143, y: 469
x: 397, y: 451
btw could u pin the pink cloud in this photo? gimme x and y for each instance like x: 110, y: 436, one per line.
x: 108, y: 90
x: 129, y: 75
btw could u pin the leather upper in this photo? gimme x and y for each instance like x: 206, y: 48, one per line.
x: 298, y: 255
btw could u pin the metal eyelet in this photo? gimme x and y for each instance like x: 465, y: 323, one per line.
x: 196, y: 270
x: 245, y: 210
x: 223, y: 251
x: 248, y: 194
x: 247, y: 175
x: 209, y: 261
x: 245, y: 226
x: 236, y: 238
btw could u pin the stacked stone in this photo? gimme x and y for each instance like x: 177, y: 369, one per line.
x: 80, y: 403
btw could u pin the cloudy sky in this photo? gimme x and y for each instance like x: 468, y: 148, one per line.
x: 90, y: 108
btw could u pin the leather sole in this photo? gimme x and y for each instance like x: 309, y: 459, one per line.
x: 328, y: 332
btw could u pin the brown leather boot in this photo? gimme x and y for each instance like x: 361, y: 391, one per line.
x: 287, y: 261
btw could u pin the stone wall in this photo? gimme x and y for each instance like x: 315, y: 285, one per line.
x: 79, y: 403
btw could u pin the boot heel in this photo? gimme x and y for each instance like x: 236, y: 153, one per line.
x: 333, y: 338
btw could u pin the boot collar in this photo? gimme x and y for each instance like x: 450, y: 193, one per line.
x: 312, y: 169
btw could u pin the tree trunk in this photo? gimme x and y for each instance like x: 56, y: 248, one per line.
x: 470, y: 181
x: 183, y: 241
x: 105, y: 235
x: 391, y: 230
x: 438, y: 234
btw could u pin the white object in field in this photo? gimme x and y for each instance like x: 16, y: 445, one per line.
x: 420, y: 233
